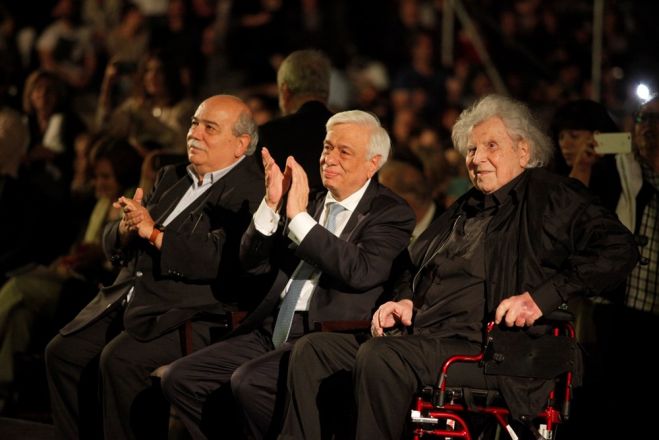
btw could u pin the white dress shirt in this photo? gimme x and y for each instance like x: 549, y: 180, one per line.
x: 267, y: 219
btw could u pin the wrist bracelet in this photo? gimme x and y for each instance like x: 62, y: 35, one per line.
x: 154, y: 235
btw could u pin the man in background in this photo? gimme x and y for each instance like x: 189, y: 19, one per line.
x: 408, y: 181
x: 303, y: 82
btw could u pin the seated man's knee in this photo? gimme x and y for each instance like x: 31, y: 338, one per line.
x: 306, y: 346
x: 114, y: 361
x: 58, y: 350
x: 242, y: 384
x: 172, y: 381
x: 373, y: 356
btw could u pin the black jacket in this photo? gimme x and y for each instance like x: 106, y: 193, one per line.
x: 355, y: 266
x: 300, y: 135
x: 553, y: 239
x: 196, y: 268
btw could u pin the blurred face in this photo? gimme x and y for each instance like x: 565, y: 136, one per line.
x: 211, y: 142
x: 43, y: 96
x: 154, y: 78
x: 571, y: 142
x: 105, y: 182
x: 344, y: 164
x: 493, y: 157
x: 646, y: 133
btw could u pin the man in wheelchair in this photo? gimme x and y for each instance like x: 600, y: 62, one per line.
x: 513, y: 249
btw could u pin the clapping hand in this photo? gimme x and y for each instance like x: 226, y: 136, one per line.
x: 276, y: 182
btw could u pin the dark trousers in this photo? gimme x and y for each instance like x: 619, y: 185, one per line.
x: 125, y: 364
x: 248, y: 368
x: 387, y: 372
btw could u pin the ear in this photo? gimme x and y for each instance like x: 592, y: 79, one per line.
x: 242, y: 145
x: 373, y: 165
x: 284, y: 95
x: 523, y: 153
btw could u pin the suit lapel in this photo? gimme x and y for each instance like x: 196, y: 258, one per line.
x: 361, y: 211
x: 170, y: 198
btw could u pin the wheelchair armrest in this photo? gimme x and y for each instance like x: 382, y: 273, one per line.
x: 444, y: 374
x: 352, y: 326
x: 557, y: 316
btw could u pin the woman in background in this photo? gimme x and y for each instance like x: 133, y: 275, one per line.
x: 31, y: 300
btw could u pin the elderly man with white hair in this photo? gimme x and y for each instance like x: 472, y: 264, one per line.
x: 515, y: 247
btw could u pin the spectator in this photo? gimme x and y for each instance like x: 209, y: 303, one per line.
x: 178, y: 252
x: 303, y: 82
x: 562, y: 242
x: 321, y: 273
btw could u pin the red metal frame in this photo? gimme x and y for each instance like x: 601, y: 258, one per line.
x: 446, y: 412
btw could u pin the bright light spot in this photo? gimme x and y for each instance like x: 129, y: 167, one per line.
x: 643, y: 92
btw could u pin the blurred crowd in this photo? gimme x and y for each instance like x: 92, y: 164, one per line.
x: 96, y: 94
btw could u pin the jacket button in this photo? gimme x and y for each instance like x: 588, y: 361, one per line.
x: 139, y: 273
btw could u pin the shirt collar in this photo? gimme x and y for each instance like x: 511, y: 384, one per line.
x: 505, y: 193
x: 212, y: 177
x: 349, y: 203
x: 482, y: 202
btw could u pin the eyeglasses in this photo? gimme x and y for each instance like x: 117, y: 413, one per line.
x: 646, y: 117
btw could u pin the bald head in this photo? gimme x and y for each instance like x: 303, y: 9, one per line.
x: 222, y: 131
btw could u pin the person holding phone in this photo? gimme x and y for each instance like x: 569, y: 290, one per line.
x: 573, y: 129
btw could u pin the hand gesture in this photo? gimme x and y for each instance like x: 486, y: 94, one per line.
x: 391, y: 313
x: 136, y: 217
x: 584, y: 161
x: 276, y: 182
x: 518, y: 310
x: 298, y: 195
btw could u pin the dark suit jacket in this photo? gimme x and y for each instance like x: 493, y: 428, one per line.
x: 552, y: 239
x: 197, y: 267
x: 355, y: 266
x: 300, y: 135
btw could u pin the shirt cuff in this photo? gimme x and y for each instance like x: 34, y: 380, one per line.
x: 299, y: 227
x: 266, y: 219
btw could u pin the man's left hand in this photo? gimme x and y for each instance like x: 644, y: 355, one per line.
x: 136, y: 217
x: 518, y: 310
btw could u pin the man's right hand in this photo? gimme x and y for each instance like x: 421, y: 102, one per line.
x: 391, y: 313
x: 276, y: 182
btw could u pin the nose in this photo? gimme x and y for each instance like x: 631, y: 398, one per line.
x: 329, y: 157
x: 192, y: 132
x: 479, y: 155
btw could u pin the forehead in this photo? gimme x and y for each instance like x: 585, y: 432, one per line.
x: 214, y: 111
x: 489, y: 128
x: 351, y: 135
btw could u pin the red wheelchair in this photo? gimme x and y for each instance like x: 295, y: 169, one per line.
x: 525, y: 375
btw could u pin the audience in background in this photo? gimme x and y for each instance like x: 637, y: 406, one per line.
x: 239, y: 44
x: 158, y: 112
x: 573, y: 127
x: 29, y: 300
x: 409, y: 182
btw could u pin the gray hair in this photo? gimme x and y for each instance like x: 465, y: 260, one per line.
x: 306, y: 72
x: 378, y: 142
x: 245, y: 124
x: 518, y: 119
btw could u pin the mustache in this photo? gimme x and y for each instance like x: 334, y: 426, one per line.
x: 193, y: 143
